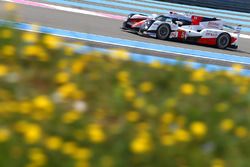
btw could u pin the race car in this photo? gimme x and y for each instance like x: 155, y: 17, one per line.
x: 184, y: 27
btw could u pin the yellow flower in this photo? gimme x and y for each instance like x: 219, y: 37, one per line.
x: 168, y: 140
x: 218, y: 163
x: 129, y: 94
x: 198, y: 129
x: 35, y: 51
x: 123, y: 76
x: 77, y: 66
x: 30, y: 37
x: 241, y: 132
x: 4, y: 134
x: 156, y: 64
x: 25, y: 107
x: 82, y: 154
x: 3, y: 70
x: 37, y: 157
x: 43, y: 102
x: 182, y: 135
x: 9, y: 6
x: 120, y: 53
x: 31, y: 50
x: 6, y: 33
x: 142, y: 143
x: 167, y: 117
x: 70, y: 117
x: 32, y: 133
x: 139, y: 103
x: 43, y: 55
x: 227, y: 125
x: 199, y: 75
x: 69, y: 148
x: 95, y: 133
x: 53, y: 143
x: 237, y: 68
x: 68, y: 90
x: 52, y: 42
x: 187, y: 89
x: 146, y: 87
x: 8, y: 50
x: 62, y: 77
x: 133, y: 116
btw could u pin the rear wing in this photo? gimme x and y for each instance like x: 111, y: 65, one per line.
x: 236, y: 30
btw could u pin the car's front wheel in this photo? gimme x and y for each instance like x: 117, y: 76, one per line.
x: 223, y: 41
x: 163, y: 32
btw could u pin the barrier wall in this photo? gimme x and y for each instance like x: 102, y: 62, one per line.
x: 235, y: 5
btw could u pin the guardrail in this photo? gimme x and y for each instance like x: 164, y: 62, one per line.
x: 234, y: 5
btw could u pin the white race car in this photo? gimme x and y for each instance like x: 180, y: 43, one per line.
x: 184, y: 27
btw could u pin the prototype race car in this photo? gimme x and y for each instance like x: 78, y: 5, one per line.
x: 184, y: 27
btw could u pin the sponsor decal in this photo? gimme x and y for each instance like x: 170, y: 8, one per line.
x: 211, y: 34
x: 213, y: 24
x: 181, y: 34
x: 173, y: 34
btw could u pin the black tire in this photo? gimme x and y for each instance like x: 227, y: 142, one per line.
x: 223, y: 41
x: 163, y: 32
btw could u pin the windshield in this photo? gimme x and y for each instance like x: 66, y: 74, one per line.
x: 162, y: 18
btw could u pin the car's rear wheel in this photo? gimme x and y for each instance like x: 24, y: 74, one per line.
x: 223, y: 41
x: 163, y: 32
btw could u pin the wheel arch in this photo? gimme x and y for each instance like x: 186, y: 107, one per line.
x: 164, y: 24
x: 227, y: 34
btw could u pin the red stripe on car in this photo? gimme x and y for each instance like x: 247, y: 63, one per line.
x: 207, y: 41
x: 181, y: 34
x: 138, y: 24
x: 233, y: 39
x: 196, y: 20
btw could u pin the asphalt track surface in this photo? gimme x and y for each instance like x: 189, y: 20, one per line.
x: 108, y: 27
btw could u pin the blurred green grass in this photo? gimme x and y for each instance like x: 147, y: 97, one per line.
x: 62, y: 108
